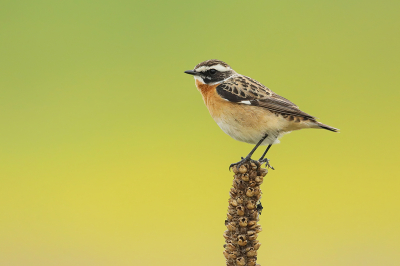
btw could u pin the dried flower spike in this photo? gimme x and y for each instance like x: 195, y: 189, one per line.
x: 241, y: 237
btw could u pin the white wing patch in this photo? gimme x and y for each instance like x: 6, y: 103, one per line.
x: 246, y: 102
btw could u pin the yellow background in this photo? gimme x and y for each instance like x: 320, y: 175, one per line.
x: 108, y: 155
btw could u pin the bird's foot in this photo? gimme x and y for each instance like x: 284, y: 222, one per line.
x: 266, y: 161
x: 243, y: 161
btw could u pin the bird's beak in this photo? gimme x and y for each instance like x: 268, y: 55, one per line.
x: 192, y: 72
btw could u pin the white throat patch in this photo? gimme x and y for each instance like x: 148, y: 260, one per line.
x: 199, y: 79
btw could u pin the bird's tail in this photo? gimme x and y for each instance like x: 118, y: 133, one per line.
x: 327, y: 127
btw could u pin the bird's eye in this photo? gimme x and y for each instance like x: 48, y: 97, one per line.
x: 213, y: 71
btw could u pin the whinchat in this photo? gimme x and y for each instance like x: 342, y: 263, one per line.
x: 245, y: 109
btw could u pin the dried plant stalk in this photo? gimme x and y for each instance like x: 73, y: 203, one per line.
x: 242, y: 223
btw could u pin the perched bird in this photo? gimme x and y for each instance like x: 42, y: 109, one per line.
x: 246, y: 110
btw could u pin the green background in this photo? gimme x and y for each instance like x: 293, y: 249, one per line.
x: 108, y: 155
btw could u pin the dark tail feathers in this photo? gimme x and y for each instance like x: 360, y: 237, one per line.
x: 328, y: 127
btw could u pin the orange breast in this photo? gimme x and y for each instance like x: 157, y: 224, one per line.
x: 213, y: 101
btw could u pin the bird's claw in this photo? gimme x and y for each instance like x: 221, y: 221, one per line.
x: 240, y: 163
x: 243, y: 161
x: 267, y: 165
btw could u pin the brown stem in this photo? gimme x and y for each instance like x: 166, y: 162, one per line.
x: 242, y: 223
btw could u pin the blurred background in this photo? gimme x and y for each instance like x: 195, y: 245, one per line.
x: 108, y: 155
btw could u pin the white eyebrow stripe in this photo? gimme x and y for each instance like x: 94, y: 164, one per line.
x: 218, y: 67
x: 201, y: 69
x: 221, y: 68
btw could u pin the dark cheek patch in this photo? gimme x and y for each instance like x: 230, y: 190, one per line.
x: 219, y: 76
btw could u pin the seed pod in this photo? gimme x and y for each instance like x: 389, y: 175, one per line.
x: 240, y: 210
x: 251, y: 253
x: 263, y: 172
x: 226, y: 254
x: 242, y: 169
x: 243, y: 221
x: 257, y: 245
x: 251, y: 232
x: 251, y: 262
x: 231, y: 226
x: 250, y: 192
x: 254, y: 226
x: 253, y: 166
x: 245, y: 177
x: 254, y: 214
x: 239, y: 200
x: 241, y: 237
x: 251, y: 223
x: 240, y: 261
x: 251, y: 204
x: 234, y: 169
x: 242, y: 230
x: 253, y: 174
x: 230, y: 247
x: 238, y: 178
x: 252, y: 183
x: 236, y: 184
x: 233, y: 202
x: 242, y: 240
x: 259, y: 179
x: 232, y: 256
x: 239, y: 184
x: 226, y: 234
x: 233, y: 192
x: 253, y: 237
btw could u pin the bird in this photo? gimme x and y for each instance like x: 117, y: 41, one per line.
x: 247, y: 110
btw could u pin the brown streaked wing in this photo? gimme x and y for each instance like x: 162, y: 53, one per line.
x: 248, y: 89
x: 280, y: 107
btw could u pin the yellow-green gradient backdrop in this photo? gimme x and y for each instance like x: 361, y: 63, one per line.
x: 109, y: 157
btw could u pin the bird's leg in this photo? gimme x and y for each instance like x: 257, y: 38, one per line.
x: 248, y: 157
x: 265, y: 152
x: 266, y: 161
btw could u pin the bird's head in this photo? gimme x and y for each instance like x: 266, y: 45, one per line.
x: 211, y: 71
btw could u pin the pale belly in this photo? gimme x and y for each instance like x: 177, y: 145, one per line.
x: 251, y: 124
